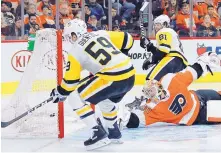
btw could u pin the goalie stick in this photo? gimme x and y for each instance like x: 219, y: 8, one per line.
x: 145, y: 5
x: 5, y: 124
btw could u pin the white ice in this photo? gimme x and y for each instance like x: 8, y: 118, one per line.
x: 158, y: 137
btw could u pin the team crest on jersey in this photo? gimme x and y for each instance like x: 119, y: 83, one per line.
x: 177, y: 104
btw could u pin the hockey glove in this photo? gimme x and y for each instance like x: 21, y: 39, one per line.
x: 147, y: 64
x: 136, y: 103
x: 145, y: 43
x: 57, y: 96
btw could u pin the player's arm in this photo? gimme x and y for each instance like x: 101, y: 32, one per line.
x: 122, y: 40
x: 69, y: 82
x: 71, y: 76
x: 164, y: 40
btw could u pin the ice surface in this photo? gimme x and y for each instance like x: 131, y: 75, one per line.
x: 158, y: 137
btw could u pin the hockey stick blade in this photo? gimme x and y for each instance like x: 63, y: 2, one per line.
x: 5, y: 124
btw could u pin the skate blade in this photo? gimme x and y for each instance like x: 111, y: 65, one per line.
x: 99, y: 144
x: 116, y: 141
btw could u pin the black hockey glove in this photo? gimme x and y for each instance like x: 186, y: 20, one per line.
x: 145, y: 43
x: 57, y: 96
x: 147, y: 64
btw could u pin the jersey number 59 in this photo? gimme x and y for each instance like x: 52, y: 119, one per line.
x: 95, y: 54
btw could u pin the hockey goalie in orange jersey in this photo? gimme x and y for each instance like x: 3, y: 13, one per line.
x: 170, y: 101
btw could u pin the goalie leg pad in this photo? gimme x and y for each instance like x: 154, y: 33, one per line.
x: 209, y: 109
x: 214, y: 111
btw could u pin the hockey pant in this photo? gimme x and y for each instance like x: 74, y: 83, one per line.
x: 104, y: 93
x: 166, y: 65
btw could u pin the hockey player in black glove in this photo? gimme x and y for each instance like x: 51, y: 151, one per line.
x: 167, y: 55
x: 112, y: 79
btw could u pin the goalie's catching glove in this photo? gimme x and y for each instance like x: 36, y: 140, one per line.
x: 136, y: 103
x: 57, y: 96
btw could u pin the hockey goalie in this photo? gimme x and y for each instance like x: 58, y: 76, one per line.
x: 170, y: 101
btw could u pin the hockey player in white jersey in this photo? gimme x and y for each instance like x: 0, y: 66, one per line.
x: 113, y: 78
x: 167, y: 55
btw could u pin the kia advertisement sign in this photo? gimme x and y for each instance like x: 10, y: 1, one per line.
x: 20, y: 59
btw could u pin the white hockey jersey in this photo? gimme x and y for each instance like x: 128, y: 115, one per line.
x: 97, y: 53
x: 167, y: 40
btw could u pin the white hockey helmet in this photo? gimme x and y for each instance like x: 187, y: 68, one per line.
x: 75, y: 26
x: 163, y: 19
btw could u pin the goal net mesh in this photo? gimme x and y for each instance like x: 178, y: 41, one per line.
x: 39, y: 78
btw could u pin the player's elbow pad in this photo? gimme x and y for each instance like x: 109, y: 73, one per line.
x: 125, y: 51
x: 128, y: 44
x: 64, y: 92
x: 198, y: 69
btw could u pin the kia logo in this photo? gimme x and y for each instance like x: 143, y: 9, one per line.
x: 20, y: 60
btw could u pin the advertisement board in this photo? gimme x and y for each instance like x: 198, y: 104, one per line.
x: 15, y: 58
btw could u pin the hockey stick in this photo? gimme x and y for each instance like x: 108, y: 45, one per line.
x: 5, y: 124
x: 145, y: 5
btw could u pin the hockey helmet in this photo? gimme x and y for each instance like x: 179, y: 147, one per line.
x: 153, y: 90
x: 75, y: 27
x: 162, y: 20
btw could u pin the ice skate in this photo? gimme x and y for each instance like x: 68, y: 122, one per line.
x: 98, y: 139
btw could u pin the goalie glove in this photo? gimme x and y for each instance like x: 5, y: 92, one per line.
x: 209, y: 62
x: 136, y: 103
x: 57, y: 96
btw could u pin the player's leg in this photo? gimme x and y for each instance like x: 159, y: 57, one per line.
x: 113, y: 128
x: 99, y: 136
x: 204, y: 96
x: 109, y: 111
x: 107, y: 93
x: 107, y: 99
x: 165, y: 66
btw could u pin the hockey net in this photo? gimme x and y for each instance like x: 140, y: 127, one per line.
x: 42, y: 74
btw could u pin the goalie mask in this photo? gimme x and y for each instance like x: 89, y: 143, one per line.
x: 162, y: 21
x: 74, y: 29
x: 153, y: 90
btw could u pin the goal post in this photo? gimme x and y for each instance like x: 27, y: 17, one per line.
x: 59, y: 79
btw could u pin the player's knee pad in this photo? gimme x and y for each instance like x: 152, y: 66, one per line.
x: 75, y: 101
x: 107, y: 105
x: 133, y: 121
x: 109, y: 111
